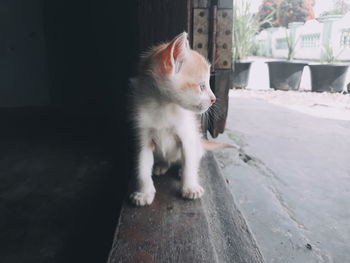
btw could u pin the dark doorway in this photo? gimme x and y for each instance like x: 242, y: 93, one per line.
x: 65, y: 144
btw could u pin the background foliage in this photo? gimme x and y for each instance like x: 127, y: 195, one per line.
x: 284, y: 12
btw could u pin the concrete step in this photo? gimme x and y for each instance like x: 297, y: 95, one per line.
x: 176, y: 230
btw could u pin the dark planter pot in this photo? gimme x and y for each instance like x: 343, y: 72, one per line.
x: 330, y: 77
x: 241, y: 74
x: 285, y: 75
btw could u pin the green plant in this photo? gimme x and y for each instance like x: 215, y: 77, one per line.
x: 268, y: 8
x: 245, y: 27
x: 328, y: 54
x: 341, y: 7
x: 291, y: 44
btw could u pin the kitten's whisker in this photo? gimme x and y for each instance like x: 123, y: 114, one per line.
x: 212, y: 112
x: 215, y: 108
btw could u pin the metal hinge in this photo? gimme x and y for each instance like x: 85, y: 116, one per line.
x: 212, y: 35
x: 201, y: 30
x: 223, y: 39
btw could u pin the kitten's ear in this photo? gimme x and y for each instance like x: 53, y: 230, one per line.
x: 175, y: 53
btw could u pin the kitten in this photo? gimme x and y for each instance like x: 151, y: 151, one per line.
x: 171, y: 88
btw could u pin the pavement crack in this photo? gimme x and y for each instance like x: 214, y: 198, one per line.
x: 264, y: 170
x: 244, y: 157
x: 260, y: 166
x: 285, y: 207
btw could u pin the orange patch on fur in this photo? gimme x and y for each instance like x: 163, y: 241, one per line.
x: 189, y: 85
x: 165, y: 62
x: 171, y: 51
x: 200, y: 62
x: 161, y: 57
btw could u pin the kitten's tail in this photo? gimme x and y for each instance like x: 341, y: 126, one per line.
x: 210, y: 145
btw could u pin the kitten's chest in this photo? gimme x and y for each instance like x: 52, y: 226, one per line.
x: 164, y: 126
x: 164, y: 132
x: 163, y: 119
x: 166, y: 142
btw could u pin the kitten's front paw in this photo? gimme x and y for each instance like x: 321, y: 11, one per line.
x: 192, y: 192
x: 142, y: 198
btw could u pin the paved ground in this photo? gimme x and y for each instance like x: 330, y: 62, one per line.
x: 291, y: 180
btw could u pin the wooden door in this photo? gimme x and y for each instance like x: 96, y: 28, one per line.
x: 160, y: 20
x: 212, y: 37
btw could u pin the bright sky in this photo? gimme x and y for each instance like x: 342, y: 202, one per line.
x: 320, y: 5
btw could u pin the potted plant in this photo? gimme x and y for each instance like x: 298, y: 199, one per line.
x: 286, y: 75
x: 328, y: 76
x: 245, y: 27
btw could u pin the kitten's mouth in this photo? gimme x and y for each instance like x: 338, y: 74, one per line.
x: 199, y: 109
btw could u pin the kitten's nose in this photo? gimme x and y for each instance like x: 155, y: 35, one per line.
x: 212, y: 100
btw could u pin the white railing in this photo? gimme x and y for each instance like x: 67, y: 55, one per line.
x: 310, y: 39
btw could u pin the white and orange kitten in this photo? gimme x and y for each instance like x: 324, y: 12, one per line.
x: 171, y: 88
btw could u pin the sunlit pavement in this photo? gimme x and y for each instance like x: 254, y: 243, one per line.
x: 291, y: 179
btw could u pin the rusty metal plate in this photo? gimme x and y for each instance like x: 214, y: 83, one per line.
x: 200, y: 30
x: 223, y: 41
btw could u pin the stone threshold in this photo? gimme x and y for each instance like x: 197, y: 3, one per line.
x: 172, y: 229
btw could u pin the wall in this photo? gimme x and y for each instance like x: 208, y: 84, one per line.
x: 23, y: 62
x: 91, y: 49
x: 75, y: 56
x: 72, y: 61
x: 310, y: 39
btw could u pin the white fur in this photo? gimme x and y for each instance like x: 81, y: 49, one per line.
x: 165, y: 119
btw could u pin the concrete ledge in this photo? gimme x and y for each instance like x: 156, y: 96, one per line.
x: 176, y: 230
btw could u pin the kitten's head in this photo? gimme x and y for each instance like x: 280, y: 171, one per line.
x: 183, y: 75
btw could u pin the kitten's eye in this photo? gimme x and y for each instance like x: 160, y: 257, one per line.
x: 202, y: 86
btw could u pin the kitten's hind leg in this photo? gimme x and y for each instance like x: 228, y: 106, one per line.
x: 160, y: 168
